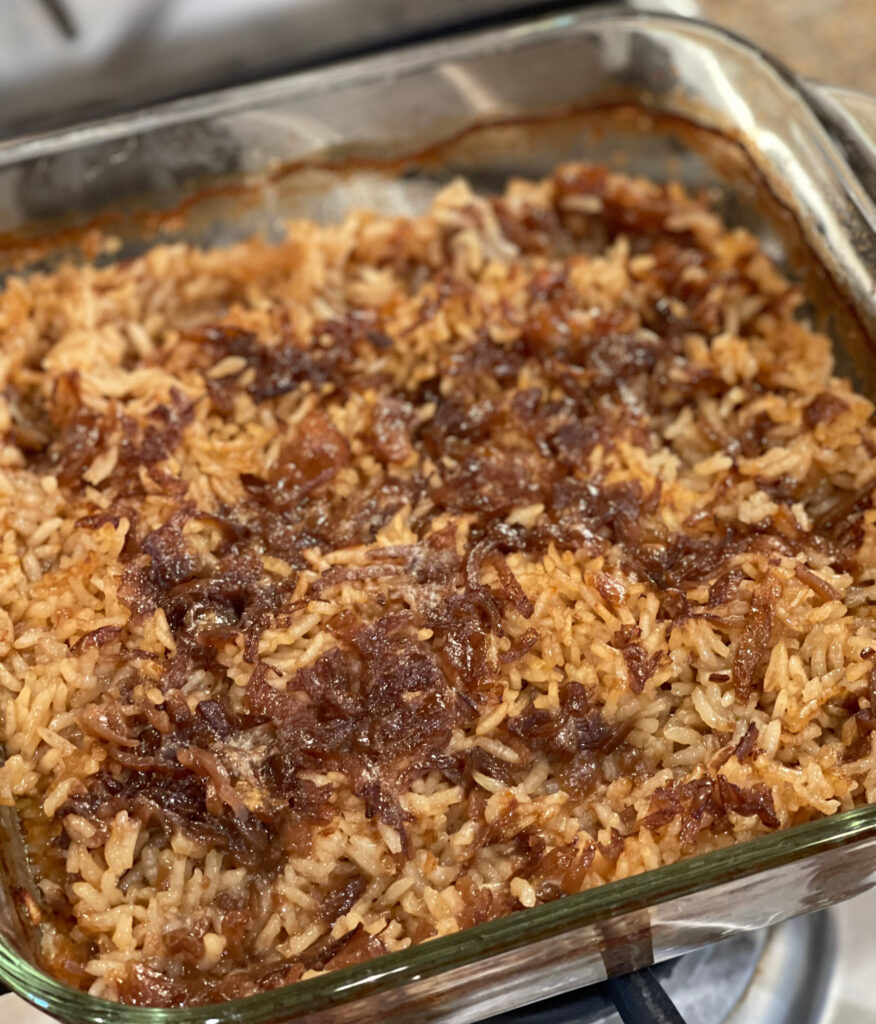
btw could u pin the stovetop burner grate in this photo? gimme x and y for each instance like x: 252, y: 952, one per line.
x: 778, y: 976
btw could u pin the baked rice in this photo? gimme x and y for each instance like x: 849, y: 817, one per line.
x: 367, y: 586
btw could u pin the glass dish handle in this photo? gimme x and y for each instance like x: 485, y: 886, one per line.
x: 850, y: 117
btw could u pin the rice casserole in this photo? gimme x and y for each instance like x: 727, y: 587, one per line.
x: 367, y: 586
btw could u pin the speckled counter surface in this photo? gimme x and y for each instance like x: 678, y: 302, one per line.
x: 833, y: 41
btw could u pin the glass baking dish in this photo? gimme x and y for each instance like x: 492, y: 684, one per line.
x: 651, y: 94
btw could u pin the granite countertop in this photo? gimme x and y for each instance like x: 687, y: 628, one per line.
x: 832, y: 41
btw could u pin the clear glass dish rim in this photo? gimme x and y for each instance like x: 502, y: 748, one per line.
x: 397, y: 61
x: 428, y: 959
